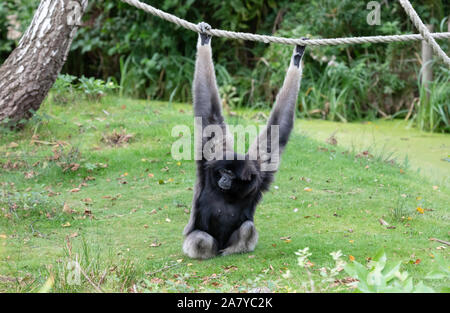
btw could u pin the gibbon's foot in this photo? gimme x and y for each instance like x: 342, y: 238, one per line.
x: 200, y: 245
x: 205, y: 38
x: 242, y: 240
x: 298, y: 54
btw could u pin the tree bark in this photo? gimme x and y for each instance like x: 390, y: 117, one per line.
x: 31, y: 69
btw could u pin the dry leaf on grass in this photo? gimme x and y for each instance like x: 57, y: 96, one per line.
x: 155, y: 244
x: 117, y: 138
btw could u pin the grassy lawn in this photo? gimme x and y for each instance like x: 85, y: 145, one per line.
x: 73, y: 186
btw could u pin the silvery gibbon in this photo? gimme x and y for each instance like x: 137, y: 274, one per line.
x: 228, y: 189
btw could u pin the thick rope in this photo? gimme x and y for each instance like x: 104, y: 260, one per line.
x: 289, y: 41
x: 423, y: 30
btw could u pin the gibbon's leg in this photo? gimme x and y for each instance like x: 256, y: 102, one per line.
x: 242, y: 240
x: 283, y: 113
x: 200, y: 245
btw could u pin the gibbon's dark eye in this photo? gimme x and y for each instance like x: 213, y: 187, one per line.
x: 226, y: 179
x: 224, y: 171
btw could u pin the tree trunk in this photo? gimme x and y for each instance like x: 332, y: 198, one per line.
x: 30, y: 71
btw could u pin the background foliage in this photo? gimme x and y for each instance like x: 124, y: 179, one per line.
x: 151, y: 58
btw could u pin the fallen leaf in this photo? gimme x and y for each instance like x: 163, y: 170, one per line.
x: 75, y: 190
x: 155, y: 244
x: 350, y: 281
x: 3, y: 236
x: 332, y: 140
x: 87, y: 211
x: 230, y: 268
x: 67, y: 209
x: 74, y: 167
x: 66, y: 224
x: 29, y: 175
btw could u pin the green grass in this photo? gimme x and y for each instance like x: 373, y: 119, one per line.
x: 126, y: 231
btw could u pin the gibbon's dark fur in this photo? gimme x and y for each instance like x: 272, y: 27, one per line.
x: 227, y: 191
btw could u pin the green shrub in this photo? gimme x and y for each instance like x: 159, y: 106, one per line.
x: 382, y: 276
x: 154, y: 59
x: 433, y: 111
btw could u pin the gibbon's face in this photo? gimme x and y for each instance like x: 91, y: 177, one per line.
x: 235, y: 177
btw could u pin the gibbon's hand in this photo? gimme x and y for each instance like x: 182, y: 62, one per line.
x: 205, y: 38
x: 299, y: 50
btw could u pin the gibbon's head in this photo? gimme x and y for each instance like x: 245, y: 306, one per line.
x: 238, y: 178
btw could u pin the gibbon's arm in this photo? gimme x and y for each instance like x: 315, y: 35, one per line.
x: 282, y: 115
x: 207, y: 106
x: 207, y: 102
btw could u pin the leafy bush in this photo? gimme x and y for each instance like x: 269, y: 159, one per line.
x: 328, y: 275
x: 18, y: 12
x: 433, y: 112
x: 380, y: 276
x: 93, y: 89
x: 377, y: 276
x: 64, y: 89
